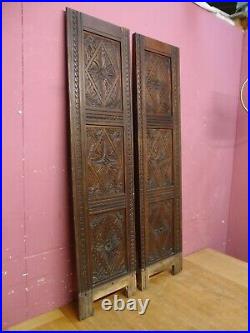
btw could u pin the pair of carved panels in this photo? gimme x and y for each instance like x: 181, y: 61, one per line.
x: 125, y: 159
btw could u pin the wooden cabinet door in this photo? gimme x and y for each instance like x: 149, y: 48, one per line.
x: 101, y: 155
x: 157, y: 153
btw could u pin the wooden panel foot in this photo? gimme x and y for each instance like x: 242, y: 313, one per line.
x: 142, y: 279
x: 131, y: 287
x: 177, y: 265
x: 85, y: 301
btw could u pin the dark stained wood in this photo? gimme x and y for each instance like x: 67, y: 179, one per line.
x: 101, y: 154
x: 157, y: 155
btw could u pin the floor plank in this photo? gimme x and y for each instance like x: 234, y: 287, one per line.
x: 62, y: 324
x: 43, y: 319
x: 209, y: 294
x: 221, y: 264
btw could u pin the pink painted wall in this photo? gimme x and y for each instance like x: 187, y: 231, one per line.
x: 238, y: 219
x: 38, y: 269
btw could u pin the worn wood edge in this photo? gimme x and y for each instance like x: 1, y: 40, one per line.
x: 175, y: 260
x: 73, y: 102
x: 173, y: 263
x: 139, y: 136
x: 128, y: 281
x: 177, y: 150
x: 142, y: 279
x: 87, y: 298
x: 129, y: 148
x: 85, y: 304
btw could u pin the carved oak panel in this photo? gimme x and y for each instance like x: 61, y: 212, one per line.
x: 102, y: 72
x: 107, y: 245
x: 158, y: 83
x: 157, y: 150
x: 101, y: 154
x: 160, y: 219
x: 159, y: 158
x: 105, y: 161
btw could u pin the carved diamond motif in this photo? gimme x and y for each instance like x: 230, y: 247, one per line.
x: 105, y: 161
x: 102, y: 68
x: 108, y: 245
x: 159, y: 152
x: 158, y: 83
x: 160, y: 230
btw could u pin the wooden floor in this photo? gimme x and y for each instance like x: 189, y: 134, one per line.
x: 209, y: 294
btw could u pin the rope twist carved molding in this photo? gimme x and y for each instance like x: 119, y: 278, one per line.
x: 140, y: 149
x: 177, y: 150
x: 130, y: 152
x: 79, y: 216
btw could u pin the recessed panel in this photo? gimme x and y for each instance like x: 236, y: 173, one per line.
x: 105, y: 161
x: 157, y: 83
x: 102, y: 58
x: 108, y: 246
x: 159, y: 158
x: 160, y: 230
